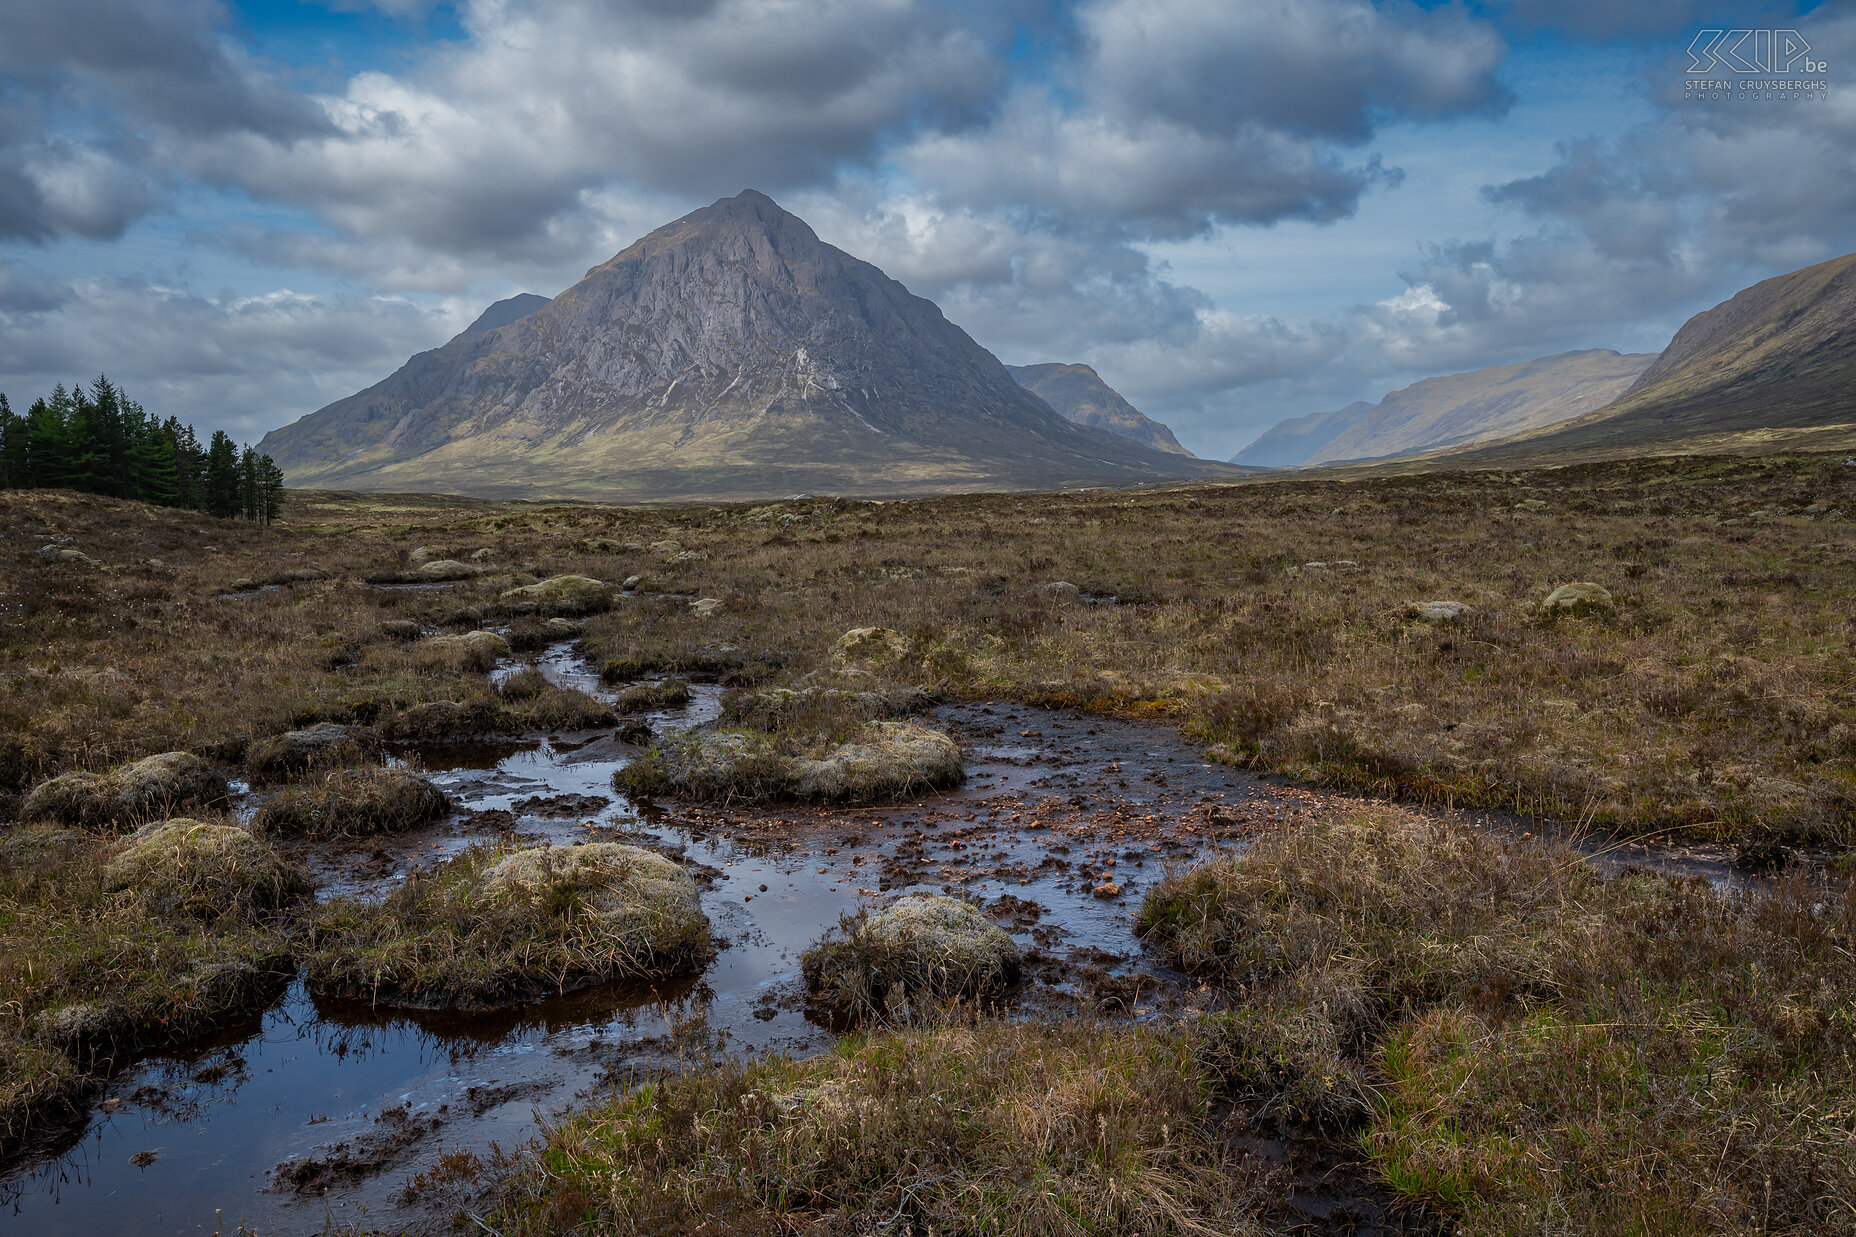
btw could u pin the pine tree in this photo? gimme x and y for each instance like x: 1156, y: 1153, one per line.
x: 270, y: 488
x: 222, y: 476
x: 15, y: 472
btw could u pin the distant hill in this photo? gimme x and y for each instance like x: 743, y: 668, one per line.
x: 729, y: 354
x: 1294, y: 440
x: 1775, y: 363
x: 1443, y: 412
x: 1078, y: 392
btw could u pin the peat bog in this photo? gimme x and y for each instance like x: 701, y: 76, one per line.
x: 1582, y: 960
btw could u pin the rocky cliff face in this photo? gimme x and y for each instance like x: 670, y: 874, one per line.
x: 728, y: 354
x: 1080, y: 395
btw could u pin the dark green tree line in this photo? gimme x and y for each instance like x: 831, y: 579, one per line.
x: 98, y: 440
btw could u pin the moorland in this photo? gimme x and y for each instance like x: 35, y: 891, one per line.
x: 1655, y: 649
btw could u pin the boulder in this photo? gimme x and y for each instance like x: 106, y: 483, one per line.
x: 353, y: 803
x: 630, y: 583
x: 923, y: 947
x: 482, y: 554
x: 425, y: 554
x: 1577, y: 599
x: 204, y: 871
x: 446, y: 569
x: 705, y: 606
x: 325, y: 743
x: 496, y: 926
x: 150, y: 788
x: 565, y: 595
x: 1441, y: 611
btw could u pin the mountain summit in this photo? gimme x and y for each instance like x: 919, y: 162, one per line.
x: 730, y: 354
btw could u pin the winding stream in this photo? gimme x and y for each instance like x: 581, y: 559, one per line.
x: 319, y: 1112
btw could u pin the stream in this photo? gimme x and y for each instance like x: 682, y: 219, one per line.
x: 316, y: 1114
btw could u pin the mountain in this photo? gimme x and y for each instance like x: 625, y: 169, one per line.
x: 730, y: 354
x: 1774, y: 364
x: 1294, y: 440
x: 521, y: 305
x: 1080, y: 395
x: 1458, y: 408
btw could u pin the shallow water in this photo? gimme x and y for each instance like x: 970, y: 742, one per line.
x: 1055, y: 807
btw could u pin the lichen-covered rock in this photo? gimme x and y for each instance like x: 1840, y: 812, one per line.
x: 922, y: 947
x: 566, y: 595
x: 426, y: 554
x: 151, y: 788
x: 1577, y: 599
x: 354, y: 802
x: 495, y: 926
x: 204, y: 871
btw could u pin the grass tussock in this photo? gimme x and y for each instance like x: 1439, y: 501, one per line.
x: 644, y: 697
x: 911, y: 956
x: 1016, y: 1130
x: 1524, y: 1046
x: 147, y: 789
x: 354, y: 803
x: 501, y: 924
x: 880, y: 761
x: 109, y: 946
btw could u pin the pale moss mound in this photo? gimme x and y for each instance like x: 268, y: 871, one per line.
x: 151, y: 788
x: 473, y: 650
x: 353, y: 803
x: 924, y: 947
x: 324, y: 744
x: 497, y: 926
x: 887, y: 760
x: 204, y: 871
x: 569, y: 594
x: 446, y: 569
x: 870, y: 646
x: 1578, y: 599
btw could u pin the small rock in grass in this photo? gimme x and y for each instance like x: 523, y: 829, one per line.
x: 1441, y: 611
x: 1577, y: 599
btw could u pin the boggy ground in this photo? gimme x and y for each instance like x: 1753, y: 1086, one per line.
x: 1278, y: 622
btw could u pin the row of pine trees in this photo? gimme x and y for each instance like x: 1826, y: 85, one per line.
x: 100, y: 441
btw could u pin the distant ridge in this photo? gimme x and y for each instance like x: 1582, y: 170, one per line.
x: 1080, y: 395
x: 729, y: 354
x: 1773, y: 364
x: 1442, y: 412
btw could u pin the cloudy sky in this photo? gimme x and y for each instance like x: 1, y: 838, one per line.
x: 1237, y: 210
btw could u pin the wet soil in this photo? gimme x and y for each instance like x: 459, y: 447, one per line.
x: 320, y: 1112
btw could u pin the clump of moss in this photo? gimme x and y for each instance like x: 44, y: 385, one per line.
x: 354, y: 802
x: 148, y: 789
x: 499, y: 925
x: 885, y: 760
x: 561, y: 595
x: 923, y: 948
x: 643, y: 697
x: 325, y: 745
x: 204, y: 871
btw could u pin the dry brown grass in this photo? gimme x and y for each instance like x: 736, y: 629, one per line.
x: 1715, y: 697
x: 1013, y: 1130
x: 1523, y: 1046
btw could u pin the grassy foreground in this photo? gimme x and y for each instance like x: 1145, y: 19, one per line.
x: 1523, y: 1047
